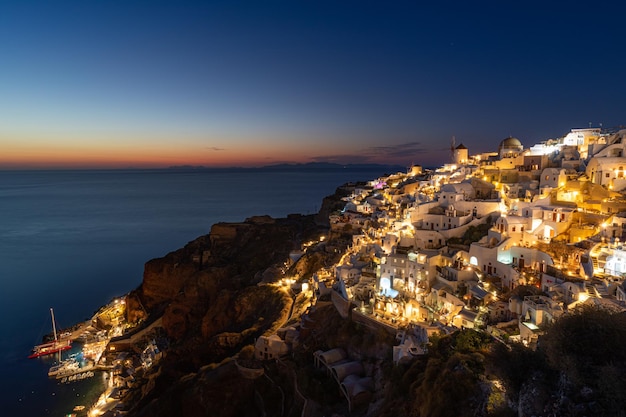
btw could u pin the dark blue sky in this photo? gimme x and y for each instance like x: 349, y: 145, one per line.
x: 119, y: 83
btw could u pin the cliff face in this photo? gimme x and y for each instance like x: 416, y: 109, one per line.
x: 211, y: 303
x: 332, y: 203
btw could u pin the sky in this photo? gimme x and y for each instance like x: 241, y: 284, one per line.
x: 125, y: 83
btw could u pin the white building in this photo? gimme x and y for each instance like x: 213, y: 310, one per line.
x: 270, y: 347
x: 512, y: 227
x: 608, y: 171
x: 450, y: 219
x: 537, y: 310
x: 616, y: 262
x: 552, y: 178
x: 545, y: 222
x: 452, y: 193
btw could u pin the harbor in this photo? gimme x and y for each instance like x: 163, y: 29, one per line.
x: 107, y: 345
x: 84, y: 363
x: 71, y: 369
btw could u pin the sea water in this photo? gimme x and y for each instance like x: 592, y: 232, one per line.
x: 73, y: 240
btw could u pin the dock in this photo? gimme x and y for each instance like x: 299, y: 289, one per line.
x: 76, y: 374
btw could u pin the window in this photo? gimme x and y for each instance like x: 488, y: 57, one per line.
x: 608, y: 174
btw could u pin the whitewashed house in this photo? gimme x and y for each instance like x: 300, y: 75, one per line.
x: 270, y: 347
x: 537, y: 311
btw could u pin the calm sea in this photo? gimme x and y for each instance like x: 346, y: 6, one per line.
x: 73, y: 240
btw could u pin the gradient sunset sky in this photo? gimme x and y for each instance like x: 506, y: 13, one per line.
x: 122, y: 83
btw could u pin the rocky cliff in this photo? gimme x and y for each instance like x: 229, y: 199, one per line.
x: 215, y: 296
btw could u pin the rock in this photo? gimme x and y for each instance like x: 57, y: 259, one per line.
x: 271, y: 274
x: 163, y: 279
x: 260, y: 220
x: 176, y: 321
x: 229, y: 340
x: 134, y: 309
x: 212, y: 305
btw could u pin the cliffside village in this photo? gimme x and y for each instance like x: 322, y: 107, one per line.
x: 504, y: 242
x: 550, y: 221
x: 557, y: 219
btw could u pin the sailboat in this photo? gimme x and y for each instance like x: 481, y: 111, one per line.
x: 54, y: 346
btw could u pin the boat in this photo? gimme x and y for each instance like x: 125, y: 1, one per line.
x: 65, y: 368
x: 56, y: 345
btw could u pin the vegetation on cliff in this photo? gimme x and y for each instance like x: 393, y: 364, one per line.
x: 576, y: 371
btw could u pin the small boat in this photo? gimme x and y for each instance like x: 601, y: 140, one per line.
x: 65, y: 368
x: 54, y: 346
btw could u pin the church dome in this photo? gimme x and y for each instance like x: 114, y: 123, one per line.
x: 510, y: 144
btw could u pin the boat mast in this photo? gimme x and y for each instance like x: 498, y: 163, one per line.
x: 54, y: 327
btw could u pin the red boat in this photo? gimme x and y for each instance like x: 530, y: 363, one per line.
x: 51, y: 347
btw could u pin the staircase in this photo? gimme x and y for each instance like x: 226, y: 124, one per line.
x: 591, y: 290
x: 601, y: 290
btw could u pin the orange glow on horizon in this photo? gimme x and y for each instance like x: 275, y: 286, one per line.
x: 42, y: 154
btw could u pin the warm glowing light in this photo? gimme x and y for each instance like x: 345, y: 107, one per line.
x: 144, y: 150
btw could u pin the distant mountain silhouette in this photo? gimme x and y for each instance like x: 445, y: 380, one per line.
x: 309, y: 166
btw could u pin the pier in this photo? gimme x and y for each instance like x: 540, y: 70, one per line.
x: 72, y: 372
